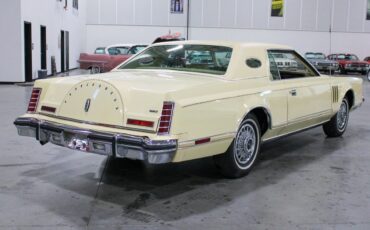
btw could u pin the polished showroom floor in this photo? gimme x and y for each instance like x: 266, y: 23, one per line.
x: 305, y: 181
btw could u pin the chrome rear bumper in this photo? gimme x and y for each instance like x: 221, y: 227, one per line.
x: 117, y: 145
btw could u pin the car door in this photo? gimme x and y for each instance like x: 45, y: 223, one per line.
x: 308, y: 93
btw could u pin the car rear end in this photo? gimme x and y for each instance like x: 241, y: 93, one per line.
x: 92, y: 116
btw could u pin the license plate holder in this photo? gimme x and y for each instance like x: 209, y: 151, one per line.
x: 79, y: 143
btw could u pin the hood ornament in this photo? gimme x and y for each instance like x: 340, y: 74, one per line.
x: 87, y: 105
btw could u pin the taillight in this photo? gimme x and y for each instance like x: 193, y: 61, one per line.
x: 140, y: 123
x: 34, y: 100
x: 166, y: 118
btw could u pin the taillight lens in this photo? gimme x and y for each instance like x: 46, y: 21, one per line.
x: 166, y: 118
x: 34, y: 100
x: 140, y: 123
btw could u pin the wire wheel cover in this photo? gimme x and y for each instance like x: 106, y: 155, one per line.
x: 245, y: 144
x: 342, y: 116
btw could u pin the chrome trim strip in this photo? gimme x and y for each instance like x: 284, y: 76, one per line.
x: 215, y: 138
x: 311, y: 116
x: 97, y: 124
x: 294, y: 132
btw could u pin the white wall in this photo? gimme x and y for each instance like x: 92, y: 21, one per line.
x: 305, y: 25
x: 10, y: 40
x: 51, y: 13
x: 104, y: 35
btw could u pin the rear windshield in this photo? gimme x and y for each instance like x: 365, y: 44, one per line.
x: 191, y: 58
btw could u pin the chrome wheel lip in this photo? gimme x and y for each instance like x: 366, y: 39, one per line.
x: 246, y: 145
x: 342, y: 116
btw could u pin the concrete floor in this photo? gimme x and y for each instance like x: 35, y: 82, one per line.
x: 302, y: 182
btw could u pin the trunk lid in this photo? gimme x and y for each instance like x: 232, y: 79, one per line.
x: 112, y: 98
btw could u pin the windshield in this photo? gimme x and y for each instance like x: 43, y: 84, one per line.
x: 100, y: 50
x: 122, y: 50
x: 315, y: 56
x: 191, y: 58
x: 136, y: 49
x: 347, y: 57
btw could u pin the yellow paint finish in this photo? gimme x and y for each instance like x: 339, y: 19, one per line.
x: 205, y: 105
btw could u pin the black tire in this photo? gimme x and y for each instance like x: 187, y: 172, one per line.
x: 368, y: 75
x: 338, y: 124
x: 95, y: 70
x: 343, y: 71
x: 238, y: 163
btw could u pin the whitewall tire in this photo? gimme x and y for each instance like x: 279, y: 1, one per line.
x: 338, y: 124
x: 243, y: 153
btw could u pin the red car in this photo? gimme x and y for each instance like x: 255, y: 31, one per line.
x: 350, y: 63
x: 105, y: 59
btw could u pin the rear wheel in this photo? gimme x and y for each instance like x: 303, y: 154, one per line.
x: 243, y: 152
x: 338, y: 124
x: 95, y: 70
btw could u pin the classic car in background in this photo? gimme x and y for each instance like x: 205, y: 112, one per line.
x: 105, y: 59
x: 321, y: 63
x: 350, y: 63
x: 160, y: 108
x: 169, y: 38
x: 284, y: 62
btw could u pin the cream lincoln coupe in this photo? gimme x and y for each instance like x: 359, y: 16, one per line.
x: 185, y: 100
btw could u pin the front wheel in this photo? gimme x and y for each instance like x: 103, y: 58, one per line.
x: 338, y: 124
x: 243, y: 152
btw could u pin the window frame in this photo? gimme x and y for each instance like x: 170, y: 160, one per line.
x: 302, y: 59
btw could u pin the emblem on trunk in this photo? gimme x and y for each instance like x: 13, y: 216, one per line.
x: 87, y: 105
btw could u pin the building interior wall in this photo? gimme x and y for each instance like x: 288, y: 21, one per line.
x: 10, y: 40
x: 308, y: 25
x: 55, y: 17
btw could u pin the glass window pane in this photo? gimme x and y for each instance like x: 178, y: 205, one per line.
x: 191, y: 58
x: 291, y: 65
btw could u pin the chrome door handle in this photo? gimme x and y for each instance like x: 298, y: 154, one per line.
x: 293, y: 92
